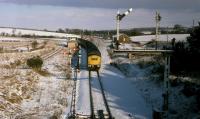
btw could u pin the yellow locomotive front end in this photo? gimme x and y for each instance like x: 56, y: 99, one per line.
x: 94, y: 62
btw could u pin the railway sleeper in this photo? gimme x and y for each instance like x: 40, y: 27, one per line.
x: 100, y: 114
x: 80, y: 116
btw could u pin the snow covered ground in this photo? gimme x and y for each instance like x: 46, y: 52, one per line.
x: 123, y: 96
x: 147, y: 38
x: 97, y: 94
x: 8, y: 58
x: 53, y: 95
x: 151, y: 88
x: 83, y: 95
x: 82, y: 104
x: 146, y: 84
x: 18, y: 31
x: 21, y: 39
x: 83, y: 98
x: 26, y: 94
x: 131, y: 92
x: 15, y: 39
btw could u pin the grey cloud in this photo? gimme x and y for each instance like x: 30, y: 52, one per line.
x: 91, y: 14
x: 115, y: 4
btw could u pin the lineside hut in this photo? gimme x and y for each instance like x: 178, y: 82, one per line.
x: 123, y: 40
x: 72, y: 45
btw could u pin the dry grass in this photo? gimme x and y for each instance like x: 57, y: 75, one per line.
x: 2, y: 107
x: 13, y: 91
x: 14, y: 98
x: 19, y: 88
x: 13, y: 44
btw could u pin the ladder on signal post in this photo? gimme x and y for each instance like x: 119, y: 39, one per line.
x: 166, y: 86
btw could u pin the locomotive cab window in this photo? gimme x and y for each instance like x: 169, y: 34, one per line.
x: 94, y: 58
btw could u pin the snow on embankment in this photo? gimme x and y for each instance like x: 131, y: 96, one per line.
x: 123, y: 97
x: 142, y: 79
x: 133, y: 70
x: 151, y: 88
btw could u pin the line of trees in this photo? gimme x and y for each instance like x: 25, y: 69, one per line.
x: 186, y: 56
x: 177, y: 29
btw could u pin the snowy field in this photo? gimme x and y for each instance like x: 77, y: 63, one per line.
x: 18, y: 31
x: 19, y: 39
x: 14, y: 57
x: 15, y: 39
x: 147, y: 38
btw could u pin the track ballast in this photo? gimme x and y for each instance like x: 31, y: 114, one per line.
x: 99, y: 105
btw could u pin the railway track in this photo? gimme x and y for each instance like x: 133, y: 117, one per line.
x: 44, y: 57
x: 49, y: 55
x: 99, y: 105
x: 73, y: 101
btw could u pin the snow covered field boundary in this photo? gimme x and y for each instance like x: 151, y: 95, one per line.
x: 147, y: 38
x: 34, y: 32
x: 9, y: 58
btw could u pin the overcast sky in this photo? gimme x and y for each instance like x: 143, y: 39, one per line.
x: 95, y: 14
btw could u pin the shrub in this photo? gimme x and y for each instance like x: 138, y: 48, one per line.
x: 35, y: 62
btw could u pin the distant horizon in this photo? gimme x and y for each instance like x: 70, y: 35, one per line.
x: 49, y: 30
